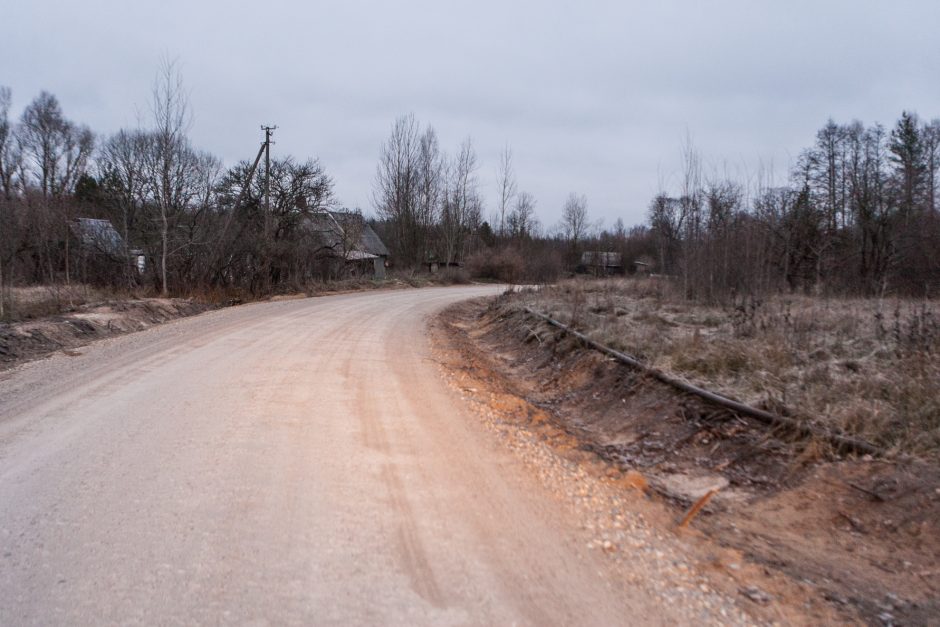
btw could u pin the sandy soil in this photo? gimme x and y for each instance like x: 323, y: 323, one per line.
x: 297, y: 462
x: 22, y: 341
x: 848, y: 539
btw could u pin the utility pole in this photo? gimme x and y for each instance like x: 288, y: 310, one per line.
x: 267, y: 246
x: 264, y: 150
x: 267, y: 166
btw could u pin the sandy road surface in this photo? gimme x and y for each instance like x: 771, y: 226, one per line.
x: 296, y: 462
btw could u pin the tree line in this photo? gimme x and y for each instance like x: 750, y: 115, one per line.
x: 430, y: 210
x: 182, y: 222
x: 858, y: 215
x: 430, y: 205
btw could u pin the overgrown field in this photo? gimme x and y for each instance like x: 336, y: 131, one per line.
x: 868, y: 367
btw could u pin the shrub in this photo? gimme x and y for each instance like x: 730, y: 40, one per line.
x: 509, y: 265
x: 454, y: 276
x: 504, y: 264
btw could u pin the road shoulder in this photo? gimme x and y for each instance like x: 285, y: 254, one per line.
x: 619, y: 518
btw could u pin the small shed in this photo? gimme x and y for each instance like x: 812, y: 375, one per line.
x: 602, y: 263
x: 642, y: 267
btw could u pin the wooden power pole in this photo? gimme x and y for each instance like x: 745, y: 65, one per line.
x: 265, y: 150
x: 267, y: 166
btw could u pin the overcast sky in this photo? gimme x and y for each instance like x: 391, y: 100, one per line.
x: 593, y: 97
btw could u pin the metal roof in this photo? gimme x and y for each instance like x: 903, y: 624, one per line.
x: 331, y: 228
x: 98, y: 234
x: 356, y: 255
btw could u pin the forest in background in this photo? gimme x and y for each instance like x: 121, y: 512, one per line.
x: 857, y: 216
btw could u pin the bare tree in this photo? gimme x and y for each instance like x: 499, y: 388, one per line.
x: 506, y: 182
x: 574, y: 224
x: 931, y: 141
x: 666, y: 221
x: 619, y: 231
x: 522, y: 223
x: 824, y: 164
x: 352, y: 226
x: 430, y: 186
x: 396, y: 185
x: 8, y: 164
x: 871, y: 209
x: 58, y: 149
x: 301, y: 194
x: 171, y: 157
x: 40, y: 138
x: 9, y: 150
x: 123, y: 172
x: 462, y: 209
x: 194, y: 224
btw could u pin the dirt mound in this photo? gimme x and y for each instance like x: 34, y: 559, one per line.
x: 863, y: 532
x: 22, y: 341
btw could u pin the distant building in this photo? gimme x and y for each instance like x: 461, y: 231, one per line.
x: 435, y: 266
x: 642, y: 266
x: 346, y: 239
x: 601, y: 263
x: 98, y: 236
x: 100, y: 243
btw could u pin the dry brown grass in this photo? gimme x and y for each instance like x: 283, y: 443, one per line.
x: 866, y: 366
x: 40, y: 301
x: 27, y: 303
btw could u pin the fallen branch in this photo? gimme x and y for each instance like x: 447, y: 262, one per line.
x: 696, y: 508
x: 841, y: 442
x: 874, y: 495
x: 533, y: 333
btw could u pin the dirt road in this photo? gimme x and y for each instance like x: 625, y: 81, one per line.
x: 297, y: 462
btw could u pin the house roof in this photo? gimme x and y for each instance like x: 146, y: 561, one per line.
x: 98, y: 234
x: 331, y: 228
x: 371, y: 243
x: 356, y: 255
x: 369, y: 240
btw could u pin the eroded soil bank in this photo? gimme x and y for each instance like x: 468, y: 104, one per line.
x: 32, y: 339
x: 853, y: 538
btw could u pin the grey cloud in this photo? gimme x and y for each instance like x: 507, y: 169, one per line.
x: 594, y: 97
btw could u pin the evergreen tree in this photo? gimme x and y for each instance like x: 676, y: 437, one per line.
x: 906, y: 147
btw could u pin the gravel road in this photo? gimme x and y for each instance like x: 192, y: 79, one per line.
x: 295, y: 462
